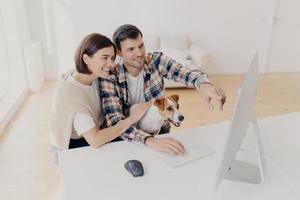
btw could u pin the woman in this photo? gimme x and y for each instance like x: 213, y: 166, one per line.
x: 77, y: 113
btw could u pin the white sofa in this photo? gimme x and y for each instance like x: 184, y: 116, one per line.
x: 179, y: 48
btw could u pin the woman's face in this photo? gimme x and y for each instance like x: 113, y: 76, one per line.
x: 101, y: 62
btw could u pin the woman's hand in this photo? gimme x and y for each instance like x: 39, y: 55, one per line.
x: 138, y: 111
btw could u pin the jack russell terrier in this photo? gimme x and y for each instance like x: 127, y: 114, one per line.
x: 164, y: 108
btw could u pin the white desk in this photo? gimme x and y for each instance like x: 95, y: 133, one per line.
x: 100, y: 173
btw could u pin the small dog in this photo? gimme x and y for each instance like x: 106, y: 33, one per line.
x: 165, y: 108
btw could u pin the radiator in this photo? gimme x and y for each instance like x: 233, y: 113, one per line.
x: 34, y: 65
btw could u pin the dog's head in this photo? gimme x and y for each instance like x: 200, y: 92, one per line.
x: 168, y: 108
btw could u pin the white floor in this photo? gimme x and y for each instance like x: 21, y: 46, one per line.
x: 26, y: 168
x: 26, y: 163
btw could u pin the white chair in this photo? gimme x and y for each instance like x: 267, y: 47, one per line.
x: 179, y: 48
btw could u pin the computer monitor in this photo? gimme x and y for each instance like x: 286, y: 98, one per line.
x: 244, y: 115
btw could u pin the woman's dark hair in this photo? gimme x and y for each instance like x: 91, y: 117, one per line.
x: 89, y: 46
x: 126, y: 31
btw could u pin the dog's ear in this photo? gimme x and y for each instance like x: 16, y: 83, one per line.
x: 160, y: 103
x: 175, y: 97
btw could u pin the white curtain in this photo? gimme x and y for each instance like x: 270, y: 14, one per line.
x: 13, y: 80
x: 5, y: 76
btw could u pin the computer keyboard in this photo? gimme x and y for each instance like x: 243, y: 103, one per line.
x: 194, y: 150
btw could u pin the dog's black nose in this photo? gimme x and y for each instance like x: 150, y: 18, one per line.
x: 181, y: 118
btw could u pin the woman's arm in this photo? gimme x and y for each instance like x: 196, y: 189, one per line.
x: 113, y: 108
x: 97, y: 138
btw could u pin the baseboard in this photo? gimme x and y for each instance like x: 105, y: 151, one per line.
x: 10, y: 105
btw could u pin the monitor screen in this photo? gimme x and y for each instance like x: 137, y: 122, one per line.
x: 243, y: 116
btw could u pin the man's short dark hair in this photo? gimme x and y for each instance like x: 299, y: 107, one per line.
x: 89, y: 46
x: 126, y: 31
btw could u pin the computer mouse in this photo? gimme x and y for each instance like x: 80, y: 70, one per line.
x: 134, y: 167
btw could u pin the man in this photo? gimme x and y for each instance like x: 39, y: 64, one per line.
x: 139, y: 78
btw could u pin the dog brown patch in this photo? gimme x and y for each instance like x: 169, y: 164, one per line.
x: 160, y: 103
x: 175, y: 98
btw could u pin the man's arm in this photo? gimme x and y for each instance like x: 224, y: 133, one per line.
x: 173, y: 70
x: 113, y: 109
x: 191, y: 78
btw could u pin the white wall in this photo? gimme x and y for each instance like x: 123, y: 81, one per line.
x: 285, y: 41
x: 230, y: 30
x: 23, y: 21
x: 50, y: 23
x: 37, y: 23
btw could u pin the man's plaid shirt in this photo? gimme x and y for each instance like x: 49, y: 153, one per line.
x: 114, y: 94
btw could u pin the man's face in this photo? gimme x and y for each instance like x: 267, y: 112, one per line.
x: 133, y: 52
